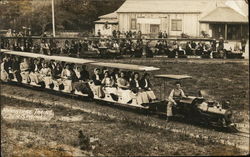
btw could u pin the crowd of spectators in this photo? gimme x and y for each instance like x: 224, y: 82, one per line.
x: 132, y: 44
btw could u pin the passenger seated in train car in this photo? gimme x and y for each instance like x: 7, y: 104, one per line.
x: 56, y: 72
x: 52, y: 64
x: 4, y: 74
x: 15, y: 69
x: 46, y: 73
x: 67, y: 76
x: 8, y: 63
x: 81, y: 85
x: 122, y: 82
x: 141, y: 96
x: 108, y: 83
x: 145, y: 85
x: 129, y: 75
x: 56, y: 77
x: 35, y: 67
x: 108, y: 80
x: 84, y: 73
x: 115, y: 74
x: 96, y: 78
x: 102, y: 72
x: 24, y: 68
x: 124, y: 88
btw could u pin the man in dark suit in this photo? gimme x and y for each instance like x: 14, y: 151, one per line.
x: 97, y: 82
x: 84, y: 73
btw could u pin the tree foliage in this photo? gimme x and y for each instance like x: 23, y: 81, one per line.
x: 69, y: 14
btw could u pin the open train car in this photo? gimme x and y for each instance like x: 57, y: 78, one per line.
x: 112, y: 94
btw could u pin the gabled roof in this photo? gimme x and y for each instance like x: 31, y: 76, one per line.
x: 163, y: 6
x: 109, y: 16
x: 224, y: 14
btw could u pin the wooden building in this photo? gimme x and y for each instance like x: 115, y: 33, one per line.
x: 106, y: 24
x: 215, y: 17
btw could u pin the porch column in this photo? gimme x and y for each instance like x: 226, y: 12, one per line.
x: 225, y: 31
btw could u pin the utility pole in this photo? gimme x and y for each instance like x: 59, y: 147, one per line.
x: 53, y: 18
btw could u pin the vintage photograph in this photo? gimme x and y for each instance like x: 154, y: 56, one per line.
x: 83, y: 78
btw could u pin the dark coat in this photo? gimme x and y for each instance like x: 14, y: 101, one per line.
x: 84, y: 75
x: 143, y: 84
x: 133, y: 86
x: 32, y: 67
x: 97, y: 82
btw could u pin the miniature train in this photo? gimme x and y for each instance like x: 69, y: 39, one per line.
x: 190, y: 107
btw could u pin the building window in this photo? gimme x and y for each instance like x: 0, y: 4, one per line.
x: 133, y: 24
x: 176, y: 25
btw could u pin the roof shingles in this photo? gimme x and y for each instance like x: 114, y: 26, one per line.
x: 224, y: 14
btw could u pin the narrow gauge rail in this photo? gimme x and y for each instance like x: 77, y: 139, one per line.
x: 198, y: 108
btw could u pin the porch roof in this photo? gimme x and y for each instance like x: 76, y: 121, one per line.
x: 224, y: 15
x: 112, y: 15
x: 109, y: 21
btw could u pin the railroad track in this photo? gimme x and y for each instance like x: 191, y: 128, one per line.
x: 242, y: 134
x: 238, y: 139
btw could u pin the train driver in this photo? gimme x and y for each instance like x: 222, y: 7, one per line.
x: 175, y: 95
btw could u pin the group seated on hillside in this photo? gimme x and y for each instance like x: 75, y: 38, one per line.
x: 72, y: 78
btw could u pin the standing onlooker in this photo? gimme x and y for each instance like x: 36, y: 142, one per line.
x: 165, y: 35
x: 99, y: 33
x: 243, y: 44
x: 160, y: 34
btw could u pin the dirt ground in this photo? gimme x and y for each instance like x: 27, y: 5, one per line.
x: 60, y: 137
